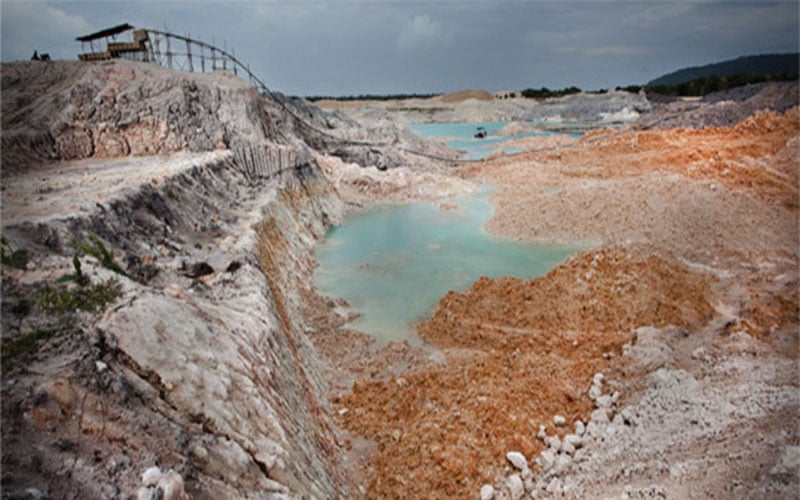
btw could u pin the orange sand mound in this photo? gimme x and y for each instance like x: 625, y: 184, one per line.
x: 532, y: 348
x: 758, y: 154
x: 463, y: 95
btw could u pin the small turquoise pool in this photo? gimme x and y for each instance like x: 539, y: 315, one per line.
x: 393, y: 263
x: 461, y: 136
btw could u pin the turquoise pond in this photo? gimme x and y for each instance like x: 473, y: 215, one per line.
x: 393, y: 263
x: 461, y: 136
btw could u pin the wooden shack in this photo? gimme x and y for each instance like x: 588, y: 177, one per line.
x: 114, y: 49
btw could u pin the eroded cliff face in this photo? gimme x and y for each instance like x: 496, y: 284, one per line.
x: 71, y: 110
x: 202, y: 366
x: 213, y: 378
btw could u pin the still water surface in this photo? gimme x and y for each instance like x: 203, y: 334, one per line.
x: 393, y: 263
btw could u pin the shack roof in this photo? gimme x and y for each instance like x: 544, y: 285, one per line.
x: 104, y: 33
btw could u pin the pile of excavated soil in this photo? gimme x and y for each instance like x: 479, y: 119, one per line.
x: 726, y: 155
x: 463, y: 95
x: 518, y: 354
x: 712, y: 195
x: 602, y: 292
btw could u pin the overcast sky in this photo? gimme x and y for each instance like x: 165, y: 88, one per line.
x: 338, y: 47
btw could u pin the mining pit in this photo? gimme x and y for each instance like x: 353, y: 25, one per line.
x: 162, y: 333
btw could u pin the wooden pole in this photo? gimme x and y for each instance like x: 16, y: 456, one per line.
x: 169, y: 54
x: 189, y: 55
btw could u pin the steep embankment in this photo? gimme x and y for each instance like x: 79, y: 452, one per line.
x: 201, y: 364
x: 70, y: 110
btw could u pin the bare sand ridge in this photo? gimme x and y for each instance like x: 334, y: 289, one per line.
x: 463, y: 95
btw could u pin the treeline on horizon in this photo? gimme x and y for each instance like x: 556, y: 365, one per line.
x: 701, y: 86
x: 370, y: 97
x: 697, y: 87
x: 714, y: 83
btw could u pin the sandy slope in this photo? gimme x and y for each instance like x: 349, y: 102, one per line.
x: 690, y: 309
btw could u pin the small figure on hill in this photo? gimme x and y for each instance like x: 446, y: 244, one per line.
x: 45, y: 57
x: 35, y: 56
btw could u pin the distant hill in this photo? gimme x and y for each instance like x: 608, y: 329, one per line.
x: 771, y: 64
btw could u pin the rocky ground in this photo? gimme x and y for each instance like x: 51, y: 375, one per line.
x: 162, y: 336
x: 569, y: 113
x: 685, y: 319
x: 155, y: 224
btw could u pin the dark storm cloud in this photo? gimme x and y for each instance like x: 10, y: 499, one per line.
x: 351, y: 47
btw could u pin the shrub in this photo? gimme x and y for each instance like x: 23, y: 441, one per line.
x: 95, y: 248
x: 89, y: 297
x: 18, y: 259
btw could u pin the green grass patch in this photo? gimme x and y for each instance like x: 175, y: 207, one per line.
x: 90, y: 298
x: 94, y: 247
x: 20, y: 348
x: 16, y: 258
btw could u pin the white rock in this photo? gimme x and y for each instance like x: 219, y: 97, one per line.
x: 603, y: 402
x: 559, y: 420
x: 580, y: 428
x: 529, y: 483
x: 789, y: 462
x: 574, y: 439
x: 595, y: 392
x: 34, y: 493
x: 592, y: 429
x: 487, y: 492
x: 629, y: 416
x: 101, y: 367
x: 597, y: 379
x: 553, y: 442
x: 562, y: 464
x: 172, y: 485
x: 542, y: 432
x: 546, y: 460
x: 515, y: 486
x: 151, y: 476
x: 517, y: 459
x: 600, y: 416
x: 569, y: 485
x: 553, y: 486
x: 145, y: 493
x: 567, y: 448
